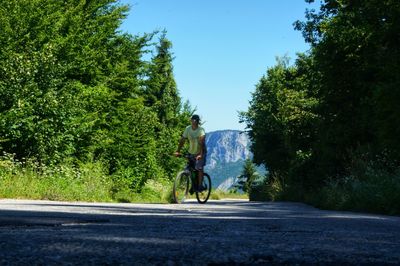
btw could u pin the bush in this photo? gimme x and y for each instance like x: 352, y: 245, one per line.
x: 74, y: 181
x: 375, y: 191
x: 83, y: 182
x: 262, y: 189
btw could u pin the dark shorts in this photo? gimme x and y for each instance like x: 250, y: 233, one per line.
x: 198, y: 164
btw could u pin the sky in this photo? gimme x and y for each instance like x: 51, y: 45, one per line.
x: 222, y: 48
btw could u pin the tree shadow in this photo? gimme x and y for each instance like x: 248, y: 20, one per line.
x: 216, y: 233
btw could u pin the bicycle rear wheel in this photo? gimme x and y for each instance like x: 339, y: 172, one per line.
x: 203, y: 196
x: 181, y: 187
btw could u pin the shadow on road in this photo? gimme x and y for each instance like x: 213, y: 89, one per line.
x: 220, y: 232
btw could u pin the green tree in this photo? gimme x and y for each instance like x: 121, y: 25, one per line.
x: 161, y: 91
x: 281, y: 116
x: 355, y: 48
x: 317, y: 120
x: 50, y: 51
x: 161, y: 95
x: 248, y: 175
x: 73, y: 86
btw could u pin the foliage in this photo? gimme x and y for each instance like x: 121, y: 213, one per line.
x: 368, y: 187
x: 219, y: 194
x: 261, y: 189
x: 282, y: 116
x: 357, y: 56
x: 72, y: 181
x: 337, y: 105
x: 248, y: 175
x: 67, y: 181
x: 74, y: 88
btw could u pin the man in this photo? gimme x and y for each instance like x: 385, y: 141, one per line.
x: 197, y: 147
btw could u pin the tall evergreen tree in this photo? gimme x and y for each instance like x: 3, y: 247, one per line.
x: 161, y: 90
x: 161, y: 95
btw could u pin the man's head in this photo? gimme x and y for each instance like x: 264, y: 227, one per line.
x: 195, y: 118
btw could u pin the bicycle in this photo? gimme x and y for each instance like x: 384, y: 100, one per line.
x: 186, y: 183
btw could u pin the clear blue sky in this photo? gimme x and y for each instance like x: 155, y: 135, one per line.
x: 222, y: 48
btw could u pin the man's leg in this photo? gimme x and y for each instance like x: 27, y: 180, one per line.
x: 200, y: 179
x: 200, y: 168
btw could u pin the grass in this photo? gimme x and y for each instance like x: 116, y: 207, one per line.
x: 29, y: 181
x: 83, y: 182
x: 376, y: 191
x: 365, y: 189
x: 220, y: 194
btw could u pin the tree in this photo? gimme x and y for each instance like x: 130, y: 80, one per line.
x: 356, y: 50
x: 311, y: 122
x: 281, y: 116
x: 161, y: 92
x: 248, y: 175
x: 73, y: 86
x: 52, y: 53
x: 161, y: 95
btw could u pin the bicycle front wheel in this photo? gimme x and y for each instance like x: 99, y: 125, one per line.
x: 203, y: 196
x: 181, y: 187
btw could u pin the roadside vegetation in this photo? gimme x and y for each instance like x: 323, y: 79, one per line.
x: 68, y: 182
x: 90, y: 113
x: 231, y: 194
x: 87, y: 112
x: 84, y: 182
x: 327, y: 126
x: 83, y: 115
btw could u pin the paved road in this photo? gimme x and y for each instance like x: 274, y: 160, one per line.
x: 228, y: 232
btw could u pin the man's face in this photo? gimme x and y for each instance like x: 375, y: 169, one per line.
x: 194, y: 122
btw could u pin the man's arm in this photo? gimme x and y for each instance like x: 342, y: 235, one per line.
x: 180, y: 145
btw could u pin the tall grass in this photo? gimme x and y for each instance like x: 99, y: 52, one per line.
x: 71, y: 181
x: 370, y: 186
x: 31, y: 180
x: 268, y: 188
x: 218, y: 194
x: 377, y: 191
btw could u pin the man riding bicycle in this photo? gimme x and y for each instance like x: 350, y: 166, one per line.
x: 197, y: 147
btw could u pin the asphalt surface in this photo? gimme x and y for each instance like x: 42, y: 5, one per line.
x: 227, y: 232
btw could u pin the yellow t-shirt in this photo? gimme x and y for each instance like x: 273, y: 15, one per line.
x: 193, y: 137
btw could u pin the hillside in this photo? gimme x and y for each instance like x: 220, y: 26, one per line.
x: 227, y: 151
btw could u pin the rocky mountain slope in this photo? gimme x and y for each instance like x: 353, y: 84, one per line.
x: 226, y: 152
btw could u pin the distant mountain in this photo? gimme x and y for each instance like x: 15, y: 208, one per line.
x: 226, y: 152
x: 226, y: 146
